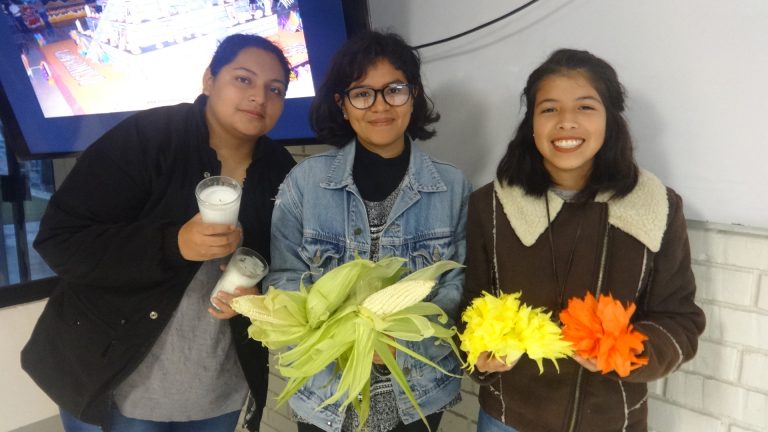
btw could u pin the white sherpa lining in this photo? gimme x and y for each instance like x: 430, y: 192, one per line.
x: 641, y: 214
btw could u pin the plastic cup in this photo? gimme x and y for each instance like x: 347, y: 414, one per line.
x: 245, y: 269
x: 218, y: 199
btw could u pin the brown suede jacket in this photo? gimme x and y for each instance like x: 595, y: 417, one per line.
x: 635, y: 248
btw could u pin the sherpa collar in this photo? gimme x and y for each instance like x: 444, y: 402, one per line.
x: 641, y: 214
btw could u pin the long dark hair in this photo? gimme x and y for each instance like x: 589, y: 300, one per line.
x: 231, y: 46
x: 614, y: 168
x: 351, y: 63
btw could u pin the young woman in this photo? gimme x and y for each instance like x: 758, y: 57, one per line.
x: 128, y: 340
x: 570, y: 213
x: 377, y: 195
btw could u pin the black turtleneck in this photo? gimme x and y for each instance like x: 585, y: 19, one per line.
x: 377, y: 177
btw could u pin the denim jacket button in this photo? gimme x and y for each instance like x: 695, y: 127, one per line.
x: 358, y: 231
x: 153, y: 315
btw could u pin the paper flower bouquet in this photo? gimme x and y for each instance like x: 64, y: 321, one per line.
x: 600, y: 329
x: 353, y: 311
x: 508, y: 328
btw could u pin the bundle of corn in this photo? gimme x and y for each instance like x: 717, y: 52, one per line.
x: 350, y: 313
x: 281, y: 316
x: 508, y: 328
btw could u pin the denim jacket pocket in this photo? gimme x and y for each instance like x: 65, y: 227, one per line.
x: 428, y: 250
x: 423, y: 378
x: 321, y: 254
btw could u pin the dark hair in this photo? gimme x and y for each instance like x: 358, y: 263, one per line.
x: 614, y: 168
x: 351, y: 63
x: 231, y: 46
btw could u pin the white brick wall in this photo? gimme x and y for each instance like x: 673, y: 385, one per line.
x: 723, y: 389
x: 762, y: 297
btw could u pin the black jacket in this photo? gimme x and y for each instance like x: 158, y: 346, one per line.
x: 110, y: 232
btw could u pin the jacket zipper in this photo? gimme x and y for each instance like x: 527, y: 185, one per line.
x: 576, y: 400
x: 599, y: 287
x: 602, y: 263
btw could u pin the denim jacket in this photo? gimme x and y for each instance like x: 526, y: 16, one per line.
x: 320, y: 222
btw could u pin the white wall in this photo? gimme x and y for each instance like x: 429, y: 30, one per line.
x: 21, y: 402
x: 694, y: 71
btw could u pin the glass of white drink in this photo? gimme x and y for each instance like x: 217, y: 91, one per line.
x: 218, y: 198
x: 245, y: 269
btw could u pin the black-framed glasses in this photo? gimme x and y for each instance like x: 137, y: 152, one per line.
x: 395, y: 94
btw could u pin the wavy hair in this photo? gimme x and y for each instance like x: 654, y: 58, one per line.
x: 350, y: 64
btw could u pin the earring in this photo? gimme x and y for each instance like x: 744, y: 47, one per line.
x: 344, y: 113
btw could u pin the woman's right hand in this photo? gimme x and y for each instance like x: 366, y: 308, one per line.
x: 199, y: 241
x: 486, y: 363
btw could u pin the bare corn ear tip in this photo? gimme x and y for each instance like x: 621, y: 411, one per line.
x: 398, y: 296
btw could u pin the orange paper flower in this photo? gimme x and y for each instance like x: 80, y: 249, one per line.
x: 600, y: 329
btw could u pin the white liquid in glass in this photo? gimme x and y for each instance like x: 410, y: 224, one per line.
x: 242, y: 271
x: 219, y: 205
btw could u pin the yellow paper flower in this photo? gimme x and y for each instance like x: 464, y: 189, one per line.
x: 508, y: 328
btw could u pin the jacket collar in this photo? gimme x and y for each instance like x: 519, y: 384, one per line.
x: 641, y: 214
x: 421, y: 173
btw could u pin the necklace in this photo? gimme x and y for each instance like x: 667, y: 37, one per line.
x: 560, y: 281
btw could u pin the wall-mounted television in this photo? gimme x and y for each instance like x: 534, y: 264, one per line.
x: 71, y: 69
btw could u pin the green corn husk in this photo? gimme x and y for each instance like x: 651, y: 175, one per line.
x: 433, y: 272
x: 278, y: 317
x: 384, y: 273
x: 327, y: 324
x: 330, y: 291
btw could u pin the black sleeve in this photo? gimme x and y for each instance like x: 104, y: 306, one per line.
x: 92, y: 232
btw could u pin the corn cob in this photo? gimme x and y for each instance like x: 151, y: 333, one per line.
x: 251, y: 305
x: 254, y: 307
x: 398, y: 296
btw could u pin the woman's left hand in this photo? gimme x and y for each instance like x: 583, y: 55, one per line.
x: 588, y: 364
x: 223, y: 299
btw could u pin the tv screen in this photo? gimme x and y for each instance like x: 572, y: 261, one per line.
x: 72, y: 69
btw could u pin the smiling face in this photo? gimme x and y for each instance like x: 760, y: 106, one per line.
x: 381, y: 127
x: 245, y: 98
x: 569, y: 127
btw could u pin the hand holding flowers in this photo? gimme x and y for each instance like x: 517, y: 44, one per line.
x: 600, y: 331
x: 506, y: 328
x: 597, y: 334
x: 488, y: 363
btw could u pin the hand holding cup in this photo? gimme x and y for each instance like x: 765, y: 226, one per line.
x: 244, y: 270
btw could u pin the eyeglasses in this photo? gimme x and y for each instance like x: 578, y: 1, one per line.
x: 396, y: 94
